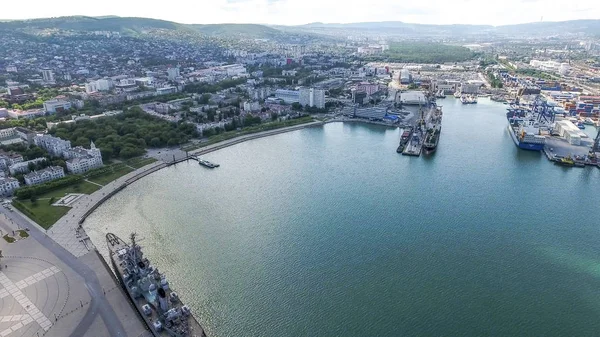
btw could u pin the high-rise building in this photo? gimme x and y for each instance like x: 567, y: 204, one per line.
x: 312, y: 97
x: 173, y: 73
x: 47, y: 75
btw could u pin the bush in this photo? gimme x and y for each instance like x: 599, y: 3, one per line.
x: 31, y: 191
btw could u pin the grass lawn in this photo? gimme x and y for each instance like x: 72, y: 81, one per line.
x: 140, y: 162
x: 45, y: 214
x: 23, y: 233
x: 108, y: 177
x: 8, y: 238
x: 81, y: 187
x: 41, y: 211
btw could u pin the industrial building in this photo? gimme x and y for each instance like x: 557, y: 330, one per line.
x: 572, y: 134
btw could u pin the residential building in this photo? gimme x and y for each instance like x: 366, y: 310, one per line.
x: 91, y: 87
x: 104, y: 84
x: 288, y: 96
x: 312, y: 97
x: 23, y: 167
x: 81, y: 160
x: 25, y: 134
x: 173, y: 73
x: 166, y: 90
x: 45, y: 175
x: 288, y: 73
x: 48, y: 75
x: 3, y: 112
x: 55, y: 146
x: 251, y: 106
x: 29, y: 114
x: 8, y: 185
x: 9, y: 158
x: 6, y: 133
x: 11, y: 69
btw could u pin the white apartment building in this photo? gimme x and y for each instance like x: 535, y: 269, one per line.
x: 55, y: 146
x: 23, y: 167
x: 312, y: 97
x: 45, y: 175
x: 8, y: 159
x: 172, y: 73
x: 48, y: 75
x: 5, y: 133
x: 81, y: 160
x: 251, y: 106
x: 8, y: 185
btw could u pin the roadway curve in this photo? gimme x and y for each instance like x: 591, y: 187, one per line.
x: 98, y: 303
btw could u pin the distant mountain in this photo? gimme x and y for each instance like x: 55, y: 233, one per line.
x: 238, y: 30
x: 135, y: 26
x: 86, y: 23
x: 402, y: 28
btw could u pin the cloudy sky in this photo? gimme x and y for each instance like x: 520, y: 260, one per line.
x: 292, y: 12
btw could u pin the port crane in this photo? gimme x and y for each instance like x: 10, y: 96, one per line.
x: 543, y: 110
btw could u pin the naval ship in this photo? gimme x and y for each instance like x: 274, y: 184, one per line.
x: 149, y: 291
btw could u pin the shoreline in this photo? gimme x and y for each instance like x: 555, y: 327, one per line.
x: 72, y: 235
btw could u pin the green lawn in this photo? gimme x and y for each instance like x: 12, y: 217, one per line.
x: 140, y: 162
x: 81, y: 187
x: 108, y: 177
x: 41, y: 211
x: 45, y: 214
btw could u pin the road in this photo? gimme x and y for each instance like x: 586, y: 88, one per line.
x: 98, y: 304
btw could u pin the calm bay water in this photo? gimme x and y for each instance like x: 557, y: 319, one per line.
x: 327, y: 231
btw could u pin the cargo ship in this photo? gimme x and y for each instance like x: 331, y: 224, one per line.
x: 157, y: 304
x: 526, y: 133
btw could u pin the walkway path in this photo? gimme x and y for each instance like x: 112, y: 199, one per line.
x: 91, y: 182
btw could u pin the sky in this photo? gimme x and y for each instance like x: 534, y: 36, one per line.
x: 295, y: 12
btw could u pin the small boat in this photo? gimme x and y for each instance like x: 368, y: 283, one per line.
x: 566, y: 161
x: 580, y: 125
x: 589, y: 121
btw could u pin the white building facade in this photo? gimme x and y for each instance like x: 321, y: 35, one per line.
x: 45, y: 175
x: 8, y: 185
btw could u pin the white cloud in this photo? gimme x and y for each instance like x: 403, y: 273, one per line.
x: 290, y: 12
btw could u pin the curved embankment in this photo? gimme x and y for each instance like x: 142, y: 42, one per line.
x: 118, y: 188
x: 214, y: 147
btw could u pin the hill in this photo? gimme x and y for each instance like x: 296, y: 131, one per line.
x: 86, y: 23
x: 238, y: 30
x: 589, y: 27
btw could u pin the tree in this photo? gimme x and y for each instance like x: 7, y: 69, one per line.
x: 274, y: 116
x: 296, y: 106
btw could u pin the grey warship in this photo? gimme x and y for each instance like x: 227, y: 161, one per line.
x: 149, y: 291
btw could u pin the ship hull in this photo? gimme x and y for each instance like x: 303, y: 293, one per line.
x: 195, y: 331
x: 524, y: 145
